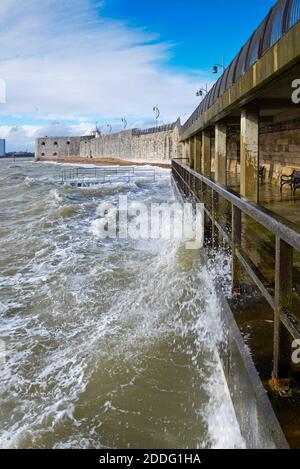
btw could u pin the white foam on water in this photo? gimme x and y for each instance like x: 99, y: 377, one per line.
x: 28, y: 181
x: 106, y: 166
x: 87, y: 324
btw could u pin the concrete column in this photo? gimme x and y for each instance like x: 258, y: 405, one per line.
x: 184, y: 150
x: 198, y: 152
x: 187, y: 150
x: 206, y: 153
x: 249, y: 154
x: 233, y: 151
x: 221, y: 154
x: 191, y: 152
x: 178, y: 150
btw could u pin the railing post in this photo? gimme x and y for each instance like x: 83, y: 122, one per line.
x: 215, y: 216
x: 198, y: 189
x: 207, y: 221
x: 192, y: 188
x: 283, y: 303
x: 236, y: 244
x: 202, y: 192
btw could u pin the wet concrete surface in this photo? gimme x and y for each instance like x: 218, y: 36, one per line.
x: 282, y: 203
x: 259, y: 243
x: 255, y: 320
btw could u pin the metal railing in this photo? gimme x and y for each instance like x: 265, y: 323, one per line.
x: 91, y: 176
x: 204, y: 190
x: 153, y: 130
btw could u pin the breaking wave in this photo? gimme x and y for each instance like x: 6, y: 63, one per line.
x: 108, y: 344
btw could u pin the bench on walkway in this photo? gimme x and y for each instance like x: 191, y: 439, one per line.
x: 292, y: 180
x: 261, y: 173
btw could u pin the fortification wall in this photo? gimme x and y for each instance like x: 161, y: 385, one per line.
x: 116, y: 145
x: 156, y: 146
x: 152, y: 145
x: 53, y: 148
x: 279, y: 148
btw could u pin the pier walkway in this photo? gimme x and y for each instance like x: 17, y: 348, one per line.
x: 265, y: 283
x: 251, y: 119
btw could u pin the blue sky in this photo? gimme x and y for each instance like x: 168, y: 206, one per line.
x: 201, y: 31
x: 70, y: 63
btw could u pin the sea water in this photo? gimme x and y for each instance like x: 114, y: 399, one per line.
x: 107, y: 343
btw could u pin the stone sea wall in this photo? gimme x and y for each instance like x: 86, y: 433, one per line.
x: 157, y: 145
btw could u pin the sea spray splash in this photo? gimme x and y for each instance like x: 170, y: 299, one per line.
x: 108, y: 344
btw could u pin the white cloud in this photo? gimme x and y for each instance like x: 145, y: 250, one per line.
x: 22, y: 137
x: 65, y: 61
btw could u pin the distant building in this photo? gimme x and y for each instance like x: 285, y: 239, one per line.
x: 20, y: 154
x: 2, y: 147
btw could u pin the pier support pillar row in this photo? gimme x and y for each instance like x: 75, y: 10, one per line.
x: 184, y: 150
x: 198, y: 152
x: 249, y: 154
x: 206, y: 153
x: 188, y: 152
x: 221, y: 154
x: 191, y: 152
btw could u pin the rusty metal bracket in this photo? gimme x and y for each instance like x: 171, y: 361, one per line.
x: 281, y: 386
x: 236, y: 292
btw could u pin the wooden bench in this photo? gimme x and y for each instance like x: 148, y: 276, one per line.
x: 292, y: 180
x: 261, y: 173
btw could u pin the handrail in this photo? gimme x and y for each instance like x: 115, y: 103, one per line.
x: 287, y: 239
x: 105, y: 174
x: 259, y: 214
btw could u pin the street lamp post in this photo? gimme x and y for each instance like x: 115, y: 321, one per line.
x: 124, y: 122
x: 157, y: 113
x: 202, y: 92
x: 216, y: 67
